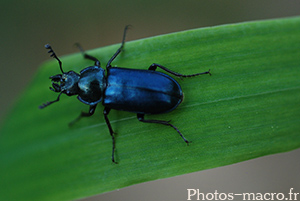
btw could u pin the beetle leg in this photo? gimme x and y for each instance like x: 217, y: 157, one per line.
x: 154, y: 67
x: 87, y: 56
x: 108, y: 65
x: 141, y: 118
x: 84, y: 114
x: 105, y: 112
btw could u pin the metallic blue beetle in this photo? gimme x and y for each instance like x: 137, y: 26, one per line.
x: 138, y: 91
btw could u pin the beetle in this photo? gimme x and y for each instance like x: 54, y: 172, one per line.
x: 133, y: 90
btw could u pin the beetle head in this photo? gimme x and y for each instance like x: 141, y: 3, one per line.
x: 66, y: 83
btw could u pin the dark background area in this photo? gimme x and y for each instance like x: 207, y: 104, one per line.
x: 27, y: 25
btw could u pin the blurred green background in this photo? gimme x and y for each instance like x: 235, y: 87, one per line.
x: 27, y: 25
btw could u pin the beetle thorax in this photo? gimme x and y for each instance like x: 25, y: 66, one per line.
x: 91, y: 85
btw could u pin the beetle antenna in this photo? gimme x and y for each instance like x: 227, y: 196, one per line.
x: 50, y: 102
x: 47, y: 46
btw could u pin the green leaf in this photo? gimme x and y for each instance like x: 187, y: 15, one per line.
x: 249, y: 107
